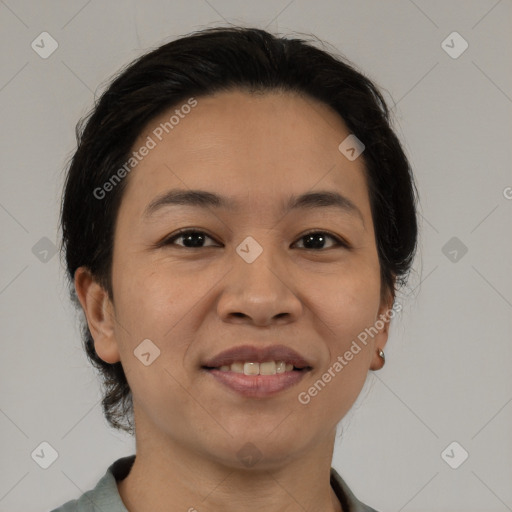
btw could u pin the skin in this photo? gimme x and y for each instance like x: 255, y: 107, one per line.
x: 195, y: 303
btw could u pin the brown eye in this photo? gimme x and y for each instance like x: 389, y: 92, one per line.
x: 192, y: 239
x: 316, y: 239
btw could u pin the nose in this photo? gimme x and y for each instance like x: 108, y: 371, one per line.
x: 261, y: 293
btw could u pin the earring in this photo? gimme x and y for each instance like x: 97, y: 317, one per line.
x: 382, y: 356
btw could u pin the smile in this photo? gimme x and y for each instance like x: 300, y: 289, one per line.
x: 257, y: 385
x: 253, y: 368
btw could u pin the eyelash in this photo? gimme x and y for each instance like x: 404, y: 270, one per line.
x: 340, y: 242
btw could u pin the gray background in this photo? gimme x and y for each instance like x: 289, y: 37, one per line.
x: 447, y: 376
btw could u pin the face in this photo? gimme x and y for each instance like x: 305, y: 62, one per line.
x: 252, y: 273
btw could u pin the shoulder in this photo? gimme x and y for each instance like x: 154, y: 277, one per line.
x: 347, y: 498
x: 105, y: 496
x: 83, y: 504
x: 92, y: 501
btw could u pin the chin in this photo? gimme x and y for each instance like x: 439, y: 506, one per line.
x: 257, y: 451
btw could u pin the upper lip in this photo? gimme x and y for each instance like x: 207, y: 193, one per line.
x: 251, y: 353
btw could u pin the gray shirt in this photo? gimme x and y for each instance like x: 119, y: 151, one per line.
x: 105, y: 496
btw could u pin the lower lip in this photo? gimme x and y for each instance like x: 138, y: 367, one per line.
x: 258, y: 386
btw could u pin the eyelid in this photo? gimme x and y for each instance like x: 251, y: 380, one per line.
x: 338, y: 239
x: 184, y: 231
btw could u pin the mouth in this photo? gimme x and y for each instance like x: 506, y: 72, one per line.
x: 258, y: 372
x: 254, y: 368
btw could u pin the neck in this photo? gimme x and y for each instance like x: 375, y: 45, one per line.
x: 180, y: 479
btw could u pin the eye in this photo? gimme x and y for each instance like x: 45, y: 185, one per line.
x: 317, y: 238
x: 189, y: 236
x: 193, y: 239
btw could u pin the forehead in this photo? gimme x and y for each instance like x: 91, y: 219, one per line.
x: 258, y: 147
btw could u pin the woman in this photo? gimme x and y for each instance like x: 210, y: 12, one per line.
x: 236, y: 221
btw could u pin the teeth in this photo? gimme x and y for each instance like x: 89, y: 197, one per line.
x: 251, y: 368
x: 266, y: 368
x: 236, y: 367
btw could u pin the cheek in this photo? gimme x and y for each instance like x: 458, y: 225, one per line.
x: 343, y: 311
x: 149, y: 302
x: 153, y: 305
x: 332, y: 392
x: 346, y: 302
x: 165, y: 306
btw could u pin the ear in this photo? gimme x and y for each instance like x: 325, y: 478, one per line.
x: 382, y: 323
x: 99, y: 311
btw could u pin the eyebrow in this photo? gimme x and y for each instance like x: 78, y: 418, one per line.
x: 206, y: 200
